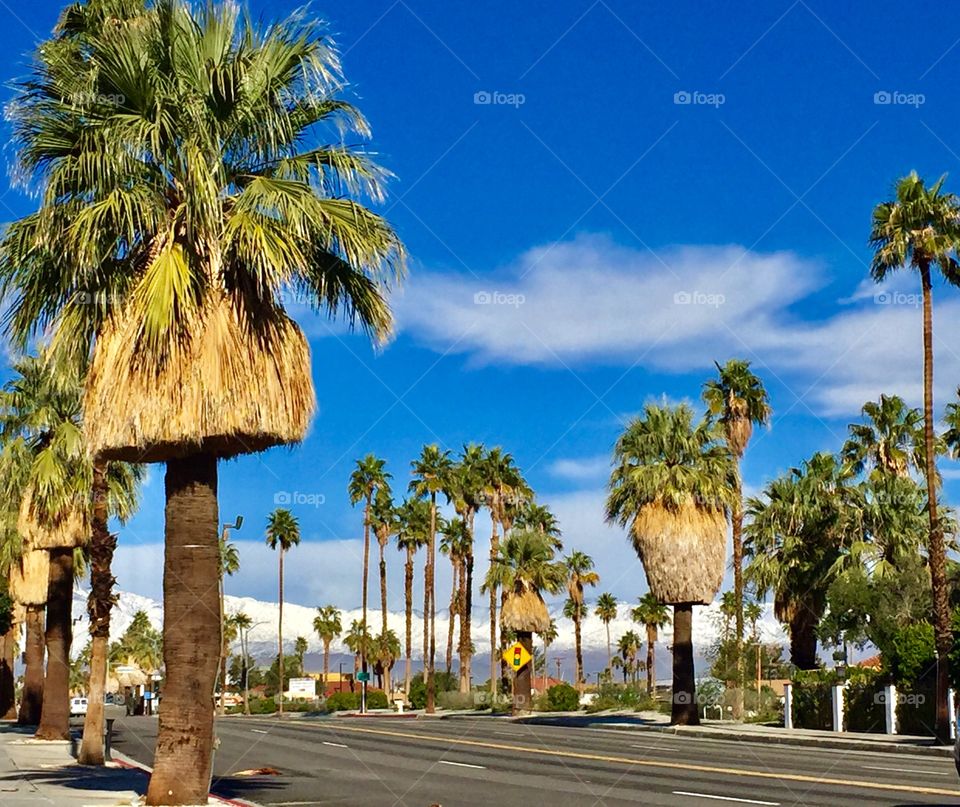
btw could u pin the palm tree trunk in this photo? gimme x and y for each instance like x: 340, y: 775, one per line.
x: 245, y: 669
x: 466, y: 606
x: 280, y: 636
x: 737, y: 519
x: 222, y: 709
x: 522, y: 699
x: 8, y: 700
x: 454, y: 591
x: 366, y: 574
x: 31, y: 699
x: 383, y: 591
x: 99, y: 606
x: 579, y: 649
x: 684, y: 711
x: 609, y: 651
x: 651, y: 661
x: 191, y: 633
x: 494, y: 652
x: 55, y: 715
x: 431, y: 566
x: 937, y: 552
x: 408, y: 604
x: 803, y: 639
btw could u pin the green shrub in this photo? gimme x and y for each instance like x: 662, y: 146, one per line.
x: 343, y: 701
x: 457, y: 700
x: 562, y: 698
x: 442, y: 681
x: 262, y: 706
x: 616, y: 696
x: 863, y: 703
x: 812, y: 699
x: 912, y: 653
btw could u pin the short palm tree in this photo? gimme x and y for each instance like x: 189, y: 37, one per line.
x: 920, y: 229
x: 606, y: 610
x: 328, y: 626
x: 889, y: 441
x: 170, y: 226
x: 580, y: 573
x: 430, y: 472
x: 629, y: 646
x: 359, y: 642
x: 300, y: 647
x: 386, y: 650
x: 525, y: 568
x: 283, y: 532
x: 243, y: 623
x: 368, y: 478
x: 653, y: 615
x: 737, y: 400
x: 455, y: 543
x: 548, y: 636
x: 413, y: 527
x: 672, y: 485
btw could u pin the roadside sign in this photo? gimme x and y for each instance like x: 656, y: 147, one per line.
x: 516, y: 656
x: 363, y: 676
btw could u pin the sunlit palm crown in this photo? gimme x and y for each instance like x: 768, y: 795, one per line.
x: 524, y: 568
x: 737, y: 399
x: 672, y: 484
x: 186, y: 193
x: 889, y: 441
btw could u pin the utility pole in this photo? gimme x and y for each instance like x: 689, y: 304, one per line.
x: 557, y: 662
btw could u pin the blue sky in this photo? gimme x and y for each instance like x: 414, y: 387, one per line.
x: 623, y: 241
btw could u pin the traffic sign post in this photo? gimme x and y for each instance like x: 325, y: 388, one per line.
x: 518, y: 657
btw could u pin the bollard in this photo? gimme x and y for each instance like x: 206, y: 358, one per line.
x: 107, y: 737
x: 890, y: 708
x: 838, y: 707
x: 952, y: 710
x: 788, y: 706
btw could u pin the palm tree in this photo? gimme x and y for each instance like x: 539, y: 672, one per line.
x: 300, y: 647
x: 283, y: 532
x: 579, y: 574
x: 606, y: 610
x: 243, y: 623
x: 193, y: 357
x: 653, y: 615
x: 671, y: 484
x: 327, y: 625
x: 386, y: 650
x: 548, y: 636
x: 454, y: 544
x: 795, y: 538
x: 430, y: 473
x: 539, y: 517
x: 500, y: 480
x: 629, y: 646
x: 369, y: 477
x: 890, y: 441
x: 920, y: 228
x: 359, y: 642
x: 229, y: 566
x: 524, y: 568
x: 414, y: 524
x: 738, y: 401
x: 384, y: 522
x: 465, y: 490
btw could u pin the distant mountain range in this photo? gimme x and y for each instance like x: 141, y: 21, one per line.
x: 298, y: 621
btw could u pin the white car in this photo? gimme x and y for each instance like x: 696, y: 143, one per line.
x: 78, y: 707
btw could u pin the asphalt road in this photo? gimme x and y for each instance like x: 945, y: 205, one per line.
x: 479, y: 762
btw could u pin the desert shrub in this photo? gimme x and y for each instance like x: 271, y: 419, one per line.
x: 615, y: 696
x: 562, y: 698
x: 457, y: 700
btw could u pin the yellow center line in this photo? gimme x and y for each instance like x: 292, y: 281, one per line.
x: 651, y: 763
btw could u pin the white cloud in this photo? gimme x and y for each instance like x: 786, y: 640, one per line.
x: 591, y: 301
x: 586, y: 469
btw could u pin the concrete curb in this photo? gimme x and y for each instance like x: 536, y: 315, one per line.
x: 787, y: 739
x: 121, y: 759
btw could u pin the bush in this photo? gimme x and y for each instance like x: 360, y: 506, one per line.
x: 442, y: 681
x: 863, y: 703
x: 812, y: 699
x: 615, y: 696
x: 562, y: 698
x: 912, y: 653
x: 350, y: 701
x: 458, y: 700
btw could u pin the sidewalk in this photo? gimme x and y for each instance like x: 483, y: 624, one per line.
x: 37, y: 772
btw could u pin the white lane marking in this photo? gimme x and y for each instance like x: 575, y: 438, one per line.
x: 651, y: 747
x: 463, y: 765
x: 335, y: 745
x: 904, y: 770
x: 259, y: 731
x: 724, y: 798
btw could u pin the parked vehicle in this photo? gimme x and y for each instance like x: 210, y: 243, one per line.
x: 78, y: 707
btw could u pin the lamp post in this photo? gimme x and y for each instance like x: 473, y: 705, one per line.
x: 223, y: 639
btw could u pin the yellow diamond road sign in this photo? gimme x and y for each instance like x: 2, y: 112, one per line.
x: 516, y: 656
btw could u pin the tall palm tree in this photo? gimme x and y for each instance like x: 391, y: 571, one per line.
x: 386, y: 650
x: 606, y: 610
x: 283, y: 532
x: 454, y: 544
x: 890, y: 441
x: 539, y: 517
x: 465, y: 489
x: 327, y: 625
x: 384, y: 522
x: 653, y: 615
x: 369, y: 477
x: 243, y: 623
x: 170, y: 225
x: 795, y: 537
x: 229, y: 566
x: 580, y: 573
x: 738, y: 401
x: 920, y: 228
x: 548, y: 636
x: 414, y: 524
x: 671, y: 484
x: 430, y: 473
x: 524, y: 568
x: 300, y: 647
